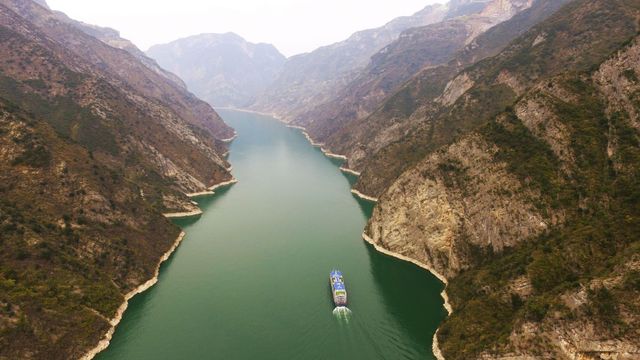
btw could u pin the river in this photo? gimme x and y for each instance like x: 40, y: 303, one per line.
x: 250, y: 280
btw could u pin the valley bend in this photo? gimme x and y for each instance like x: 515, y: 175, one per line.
x: 180, y: 180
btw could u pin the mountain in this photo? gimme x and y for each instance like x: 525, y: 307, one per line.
x: 223, y: 69
x: 96, y: 146
x: 112, y: 37
x: 313, y: 78
x: 512, y: 170
x: 416, y: 48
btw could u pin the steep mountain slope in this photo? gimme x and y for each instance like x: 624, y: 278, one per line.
x: 123, y: 68
x: 223, y: 69
x: 314, y: 78
x: 422, y: 114
x: 95, y: 146
x: 112, y: 38
x: 417, y: 48
x: 517, y: 179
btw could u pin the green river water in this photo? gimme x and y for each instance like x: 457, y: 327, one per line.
x: 250, y: 280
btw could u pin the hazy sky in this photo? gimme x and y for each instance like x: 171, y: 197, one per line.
x: 293, y: 26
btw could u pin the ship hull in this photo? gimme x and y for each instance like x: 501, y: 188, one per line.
x: 338, y: 289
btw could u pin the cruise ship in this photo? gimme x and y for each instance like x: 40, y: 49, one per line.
x: 338, y: 289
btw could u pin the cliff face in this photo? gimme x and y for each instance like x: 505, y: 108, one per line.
x: 447, y: 207
x: 223, y: 69
x: 516, y: 178
x: 310, y: 79
x: 94, y: 146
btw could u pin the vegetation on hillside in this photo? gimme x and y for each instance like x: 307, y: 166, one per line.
x: 601, y: 201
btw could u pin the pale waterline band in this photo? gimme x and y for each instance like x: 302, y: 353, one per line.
x: 223, y: 184
x: 363, y: 196
x: 104, y: 343
x: 106, y: 340
x: 349, y: 171
x: 186, y: 214
x: 435, y: 347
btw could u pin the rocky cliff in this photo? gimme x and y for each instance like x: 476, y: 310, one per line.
x: 94, y: 147
x: 223, y: 69
x: 516, y: 177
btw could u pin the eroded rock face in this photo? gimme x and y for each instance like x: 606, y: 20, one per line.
x: 538, y: 116
x: 618, y: 80
x: 455, y: 199
x: 574, y: 338
x: 454, y: 89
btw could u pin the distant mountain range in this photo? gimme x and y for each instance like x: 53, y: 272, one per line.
x: 316, y: 77
x: 223, y: 69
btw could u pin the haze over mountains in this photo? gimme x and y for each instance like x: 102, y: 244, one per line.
x: 223, y: 69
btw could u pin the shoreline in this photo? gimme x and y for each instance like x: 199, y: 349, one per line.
x: 273, y: 115
x: 435, y: 347
x: 349, y: 171
x: 235, y: 135
x: 222, y: 184
x: 326, y: 152
x: 106, y: 340
x: 202, y: 193
x: 332, y: 155
x: 209, y: 192
x: 304, y: 131
x: 306, y: 135
x: 363, y: 196
x: 329, y: 154
x: 182, y: 215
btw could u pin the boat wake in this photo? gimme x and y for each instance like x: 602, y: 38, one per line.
x: 342, y: 312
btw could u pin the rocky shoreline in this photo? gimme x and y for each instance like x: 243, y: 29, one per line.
x: 104, y: 343
x: 235, y: 135
x: 435, y: 347
x: 202, y: 193
x: 186, y: 214
x: 349, y: 171
x: 363, y: 196
x: 222, y: 184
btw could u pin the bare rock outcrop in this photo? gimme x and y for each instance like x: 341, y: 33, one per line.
x: 454, y: 200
